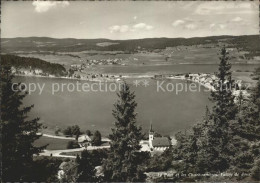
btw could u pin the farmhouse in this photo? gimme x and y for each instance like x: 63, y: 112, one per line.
x: 84, y: 140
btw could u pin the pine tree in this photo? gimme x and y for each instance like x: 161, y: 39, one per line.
x: 122, y: 164
x: 214, y: 152
x: 18, y: 132
x: 218, y: 128
x: 250, y: 116
x: 97, y: 138
x: 225, y: 108
x: 86, y: 169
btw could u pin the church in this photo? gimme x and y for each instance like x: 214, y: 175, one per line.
x: 158, y: 143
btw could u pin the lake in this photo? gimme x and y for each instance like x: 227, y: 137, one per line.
x: 168, y: 112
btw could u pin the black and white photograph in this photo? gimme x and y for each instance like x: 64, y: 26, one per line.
x: 130, y: 91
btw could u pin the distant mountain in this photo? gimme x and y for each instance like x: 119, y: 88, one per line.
x: 248, y: 43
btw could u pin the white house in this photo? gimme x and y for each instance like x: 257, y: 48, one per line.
x: 84, y: 140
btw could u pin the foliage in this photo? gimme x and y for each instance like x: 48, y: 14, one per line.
x: 256, y: 170
x: 45, y: 169
x: 159, y: 162
x: 83, y: 168
x: 18, y: 132
x: 122, y: 163
x: 96, y: 141
x: 33, y: 63
x: 70, y: 171
x: 224, y: 108
x: 226, y: 141
x: 88, y: 132
x: 72, y: 130
x: 86, y: 169
x: 72, y: 144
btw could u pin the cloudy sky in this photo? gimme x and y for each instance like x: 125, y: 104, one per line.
x: 128, y: 20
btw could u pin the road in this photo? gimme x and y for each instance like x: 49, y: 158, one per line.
x: 56, y: 137
x: 57, y: 153
x: 104, y: 139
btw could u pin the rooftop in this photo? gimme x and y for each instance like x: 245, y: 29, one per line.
x: 161, y: 142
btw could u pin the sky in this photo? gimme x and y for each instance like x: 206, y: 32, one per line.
x: 128, y: 19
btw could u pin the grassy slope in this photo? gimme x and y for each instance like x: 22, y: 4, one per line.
x: 54, y: 144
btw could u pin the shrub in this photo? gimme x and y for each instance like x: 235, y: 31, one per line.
x: 72, y: 145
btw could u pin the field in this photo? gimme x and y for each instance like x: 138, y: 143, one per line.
x: 172, y: 55
x: 54, y: 144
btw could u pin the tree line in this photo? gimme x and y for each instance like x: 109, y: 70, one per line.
x: 245, y: 43
x: 33, y: 63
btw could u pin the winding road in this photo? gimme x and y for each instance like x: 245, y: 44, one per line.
x: 57, y: 153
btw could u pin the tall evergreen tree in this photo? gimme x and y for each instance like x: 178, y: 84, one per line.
x: 218, y: 129
x: 209, y: 141
x: 86, y: 169
x: 249, y: 121
x: 18, y: 132
x: 122, y: 164
x: 224, y: 108
x: 96, y: 141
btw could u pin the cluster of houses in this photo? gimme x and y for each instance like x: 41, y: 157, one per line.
x: 96, y: 77
x: 210, y: 81
x: 87, y: 63
x: 207, y: 80
x: 30, y: 72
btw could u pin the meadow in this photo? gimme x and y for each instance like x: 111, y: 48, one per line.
x: 54, y: 144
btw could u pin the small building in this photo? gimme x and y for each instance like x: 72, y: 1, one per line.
x: 158, y: 143
x: 84, y: 140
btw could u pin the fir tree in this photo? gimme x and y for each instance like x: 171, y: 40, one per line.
x: 122, y: 164
x: 18, y: 132
x: 97, y: 138
x: 250, y: 116
x: 86, y: 169
x: 224, y: 108
x: 212, y: 137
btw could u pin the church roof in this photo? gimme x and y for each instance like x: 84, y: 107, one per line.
x: 161, y: 142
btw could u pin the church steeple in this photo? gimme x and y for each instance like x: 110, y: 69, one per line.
x: 151, y: 128
x: 151, y: 135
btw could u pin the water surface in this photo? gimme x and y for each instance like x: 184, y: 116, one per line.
x: 168, y: 112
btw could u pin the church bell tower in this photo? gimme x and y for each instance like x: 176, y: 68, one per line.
x: 151, y: 136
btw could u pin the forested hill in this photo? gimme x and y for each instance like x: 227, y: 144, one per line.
x: 246, y: 43
x: 33, y: 63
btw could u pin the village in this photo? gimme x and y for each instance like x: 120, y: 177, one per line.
x: 155, y: 144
